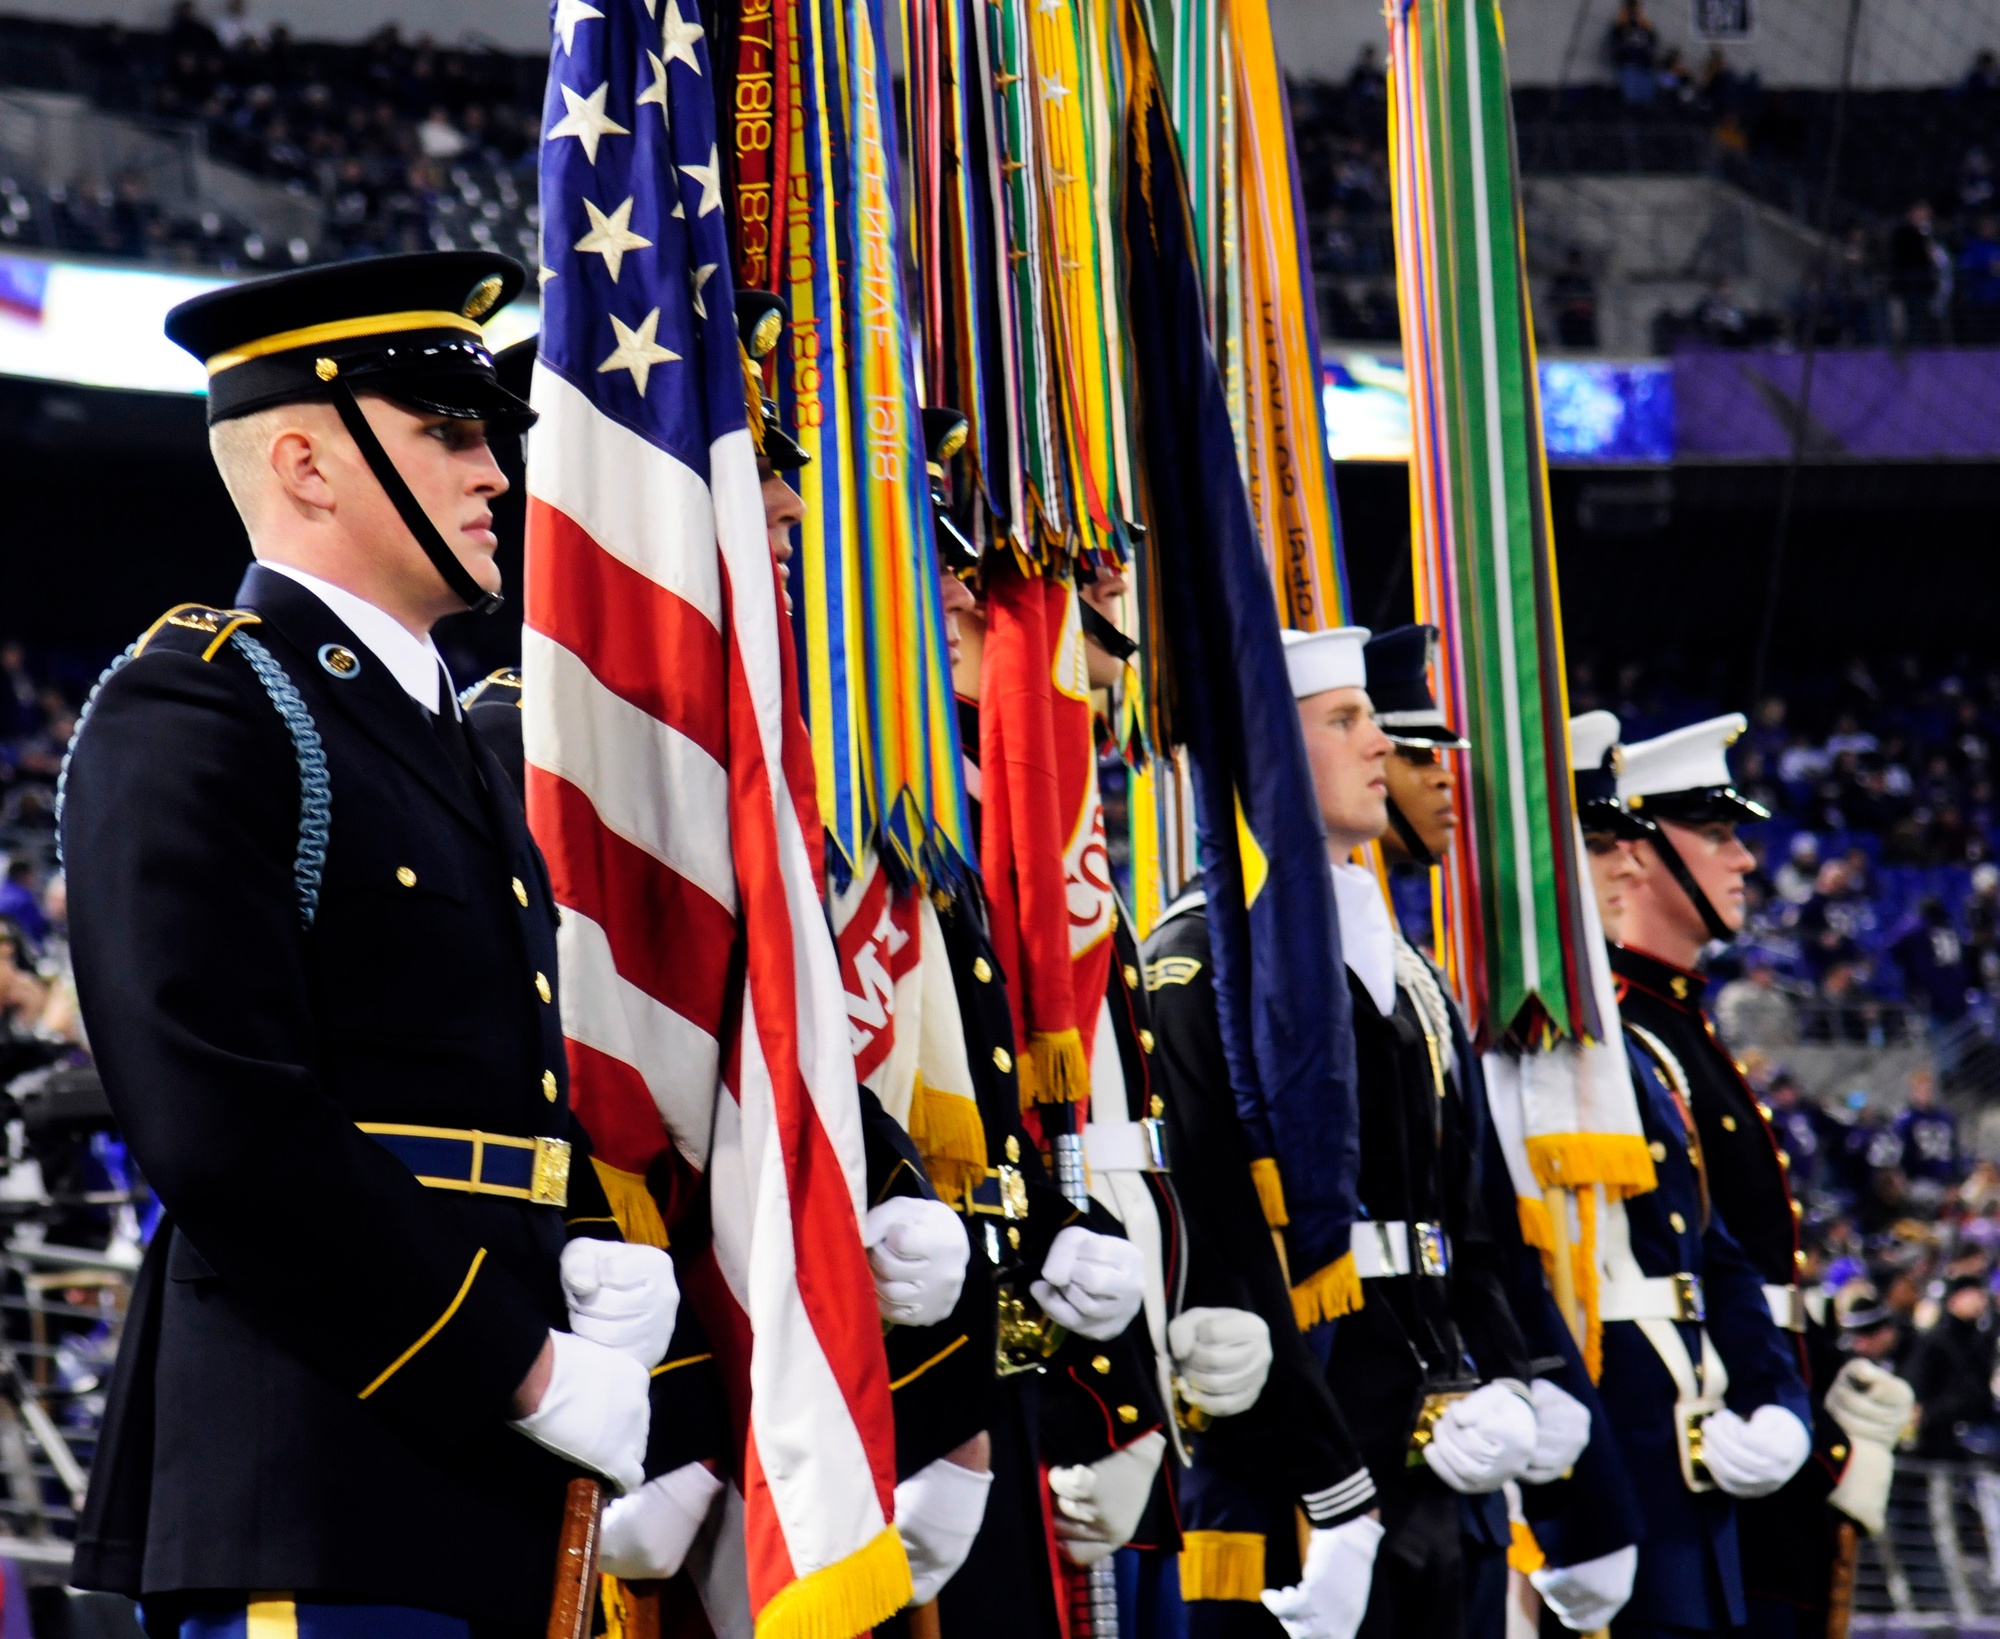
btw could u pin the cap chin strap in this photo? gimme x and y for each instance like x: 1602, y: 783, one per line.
x: 443, y: 559
x: 1399, y: 823
x: 1677, y: 868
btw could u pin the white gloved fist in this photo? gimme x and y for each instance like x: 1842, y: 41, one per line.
x: 622, y: 1296
x: 917, y: 1252
x: 1098, y: 1504
x: 1587, y: 1595
x: 647, y: 1534
x: 938, y: 1512
x: 1753, y: 1458
x: 1093, y: 1284
x: 596, y: 1411
x: 1484, y: 1440
x: 1562, y: 1430
x: 1331, y: 1595
x: 1870, y: 1403
x: 1222, y: 1358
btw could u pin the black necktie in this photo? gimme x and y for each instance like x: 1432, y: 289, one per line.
x: 449, y: 727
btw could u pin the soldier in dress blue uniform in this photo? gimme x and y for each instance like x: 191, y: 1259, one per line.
x: 1574, y: 1494
x: 1688, y: 892
x: 1688, y: 1309
x: 387, y: 1318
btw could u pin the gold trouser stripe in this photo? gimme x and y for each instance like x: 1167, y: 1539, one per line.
x: 911, y: 1376
x: 666, y: 1366
x: 375, y: 324
x: 436, y: 1326
x: 271, y: 1616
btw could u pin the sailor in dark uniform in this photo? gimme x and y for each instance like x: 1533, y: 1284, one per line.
x: 1683, y: 1309
x: 1689, y: 892
x: 388, y: 1318
x: 1574, y: 1492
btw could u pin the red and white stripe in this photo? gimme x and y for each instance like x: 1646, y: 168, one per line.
x: 670, y: 784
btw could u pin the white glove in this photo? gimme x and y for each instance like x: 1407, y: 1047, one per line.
x: 622, y: 1296
x: 1331, y: 1596
x: 1870, y: 1403
x: 1484, y: 1440
x: 1754, y: 1458
x: 1098, y: 1504
x: 917, y: 1251
x: 938, y: 1513
x: 596, y: 1410
x: 1091, y: 1283
x: 1586, y: 1596
x: 1562, y: 1430
x: 1863, y: 1492
x: 647, y: 1535
x: 1222, y: 1357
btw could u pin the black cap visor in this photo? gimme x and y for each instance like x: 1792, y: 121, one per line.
x: 1607, y: 818
x: 1711, y: 805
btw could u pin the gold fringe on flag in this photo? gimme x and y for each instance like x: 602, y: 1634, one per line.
x: 1053, y: 1069
x: 1524, y: 1553
x: 1576, y: 1160
x: 1270, y: 1191
x: 951, y: 1138
x: 632, y: 1204
x: 843, y: 1599
x: 1222, y: 1565
x: 1327, y: 1294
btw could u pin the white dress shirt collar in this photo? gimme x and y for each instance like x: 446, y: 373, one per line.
x: 413, y: 661
x: 1367, y: 933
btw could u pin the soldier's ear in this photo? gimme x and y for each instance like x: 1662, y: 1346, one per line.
x: 297, y: 458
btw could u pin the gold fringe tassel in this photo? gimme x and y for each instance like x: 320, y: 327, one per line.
x: 1619, y: 1161
x: 843, y: 1599
x: 1053, y: 1069
x: 1537, y: 1231
x: 951, y: 1138
x: 632, y: 1204
x: 1222, y: 1564
x: 1524, y: 1553
x: 1270, y: 1191
x: 1584, y: 1261
x: 628, y: 1615
x: 1327, y: 1293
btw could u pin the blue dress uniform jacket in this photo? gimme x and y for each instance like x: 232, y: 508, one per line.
x: 315, y: 1385
x: 1690, y: 1574
x: 1788, y: 1537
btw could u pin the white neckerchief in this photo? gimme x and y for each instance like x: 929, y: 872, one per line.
x: 413, y: 661
x: 1367, y: 934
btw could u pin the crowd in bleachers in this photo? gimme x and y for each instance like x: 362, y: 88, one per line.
x: 1878, y: 902
x: 405, y: 145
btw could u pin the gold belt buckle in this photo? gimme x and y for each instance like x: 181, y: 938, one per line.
x: 1022, y: 1342
x: 1428, y: 1413
x: 548, y: 1184
x: 1689, y: 1302
x: 1689, y: 1415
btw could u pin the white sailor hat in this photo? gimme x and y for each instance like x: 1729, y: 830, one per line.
x: 1318, y: 661
x: 1684, y: 775
x: 1595, y: 761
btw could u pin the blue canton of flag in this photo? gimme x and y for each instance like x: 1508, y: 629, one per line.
x: 638, y: 308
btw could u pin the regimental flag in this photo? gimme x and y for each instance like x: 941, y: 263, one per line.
x: 1281, y: 994
x: 1483, y: 550
x: 672, y: 789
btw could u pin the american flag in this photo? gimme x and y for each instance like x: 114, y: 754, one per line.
x: 670, y: 784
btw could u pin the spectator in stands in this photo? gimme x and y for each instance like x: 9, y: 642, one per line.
x: 1982, y: 928
x: 1933, y: 961
x: 1634, y: 45
x: 1913, y: 278
x: 1929, y: 1134
x: 236, y: 29
x: 439, y: 138
x: 1872, y: 1161
x: 1827, y: 921
x: 1573, y: 295
x: 1984, y: 75
x: 1754, y: 1011
x: 1366, y: 82
x: 1797, y: 877
x: 20, y: 708
x: 20, y: 906
x: 1802, y: 1129
x: 1951, y: 1370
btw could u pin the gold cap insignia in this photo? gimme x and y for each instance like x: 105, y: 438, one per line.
x: 482, y: 298
x: 953, y: 441
x: 325, y: 369
x: 765, y: 332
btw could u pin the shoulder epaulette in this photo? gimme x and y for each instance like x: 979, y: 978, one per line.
x: 494, y: 684
x: 195, y: 628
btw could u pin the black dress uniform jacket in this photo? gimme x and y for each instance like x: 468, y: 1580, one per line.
x: 1787, y: 1537
x: 315, y: 1385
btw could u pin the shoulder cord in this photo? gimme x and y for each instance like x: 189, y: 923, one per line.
x: 1414, y: 974
x: 315, y: 787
